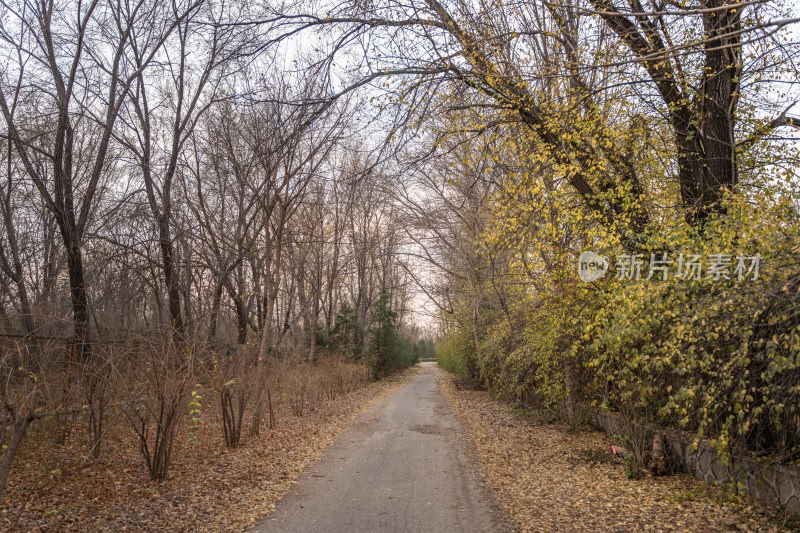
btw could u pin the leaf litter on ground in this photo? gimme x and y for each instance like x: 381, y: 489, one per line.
x: 210, y: 487
x: 548, y: 479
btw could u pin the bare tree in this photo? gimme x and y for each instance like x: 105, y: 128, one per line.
x: 195, y: 61
x: 218, y: 166
x: 289, y: 157
x: 10, y: 253
x: 59, y: 60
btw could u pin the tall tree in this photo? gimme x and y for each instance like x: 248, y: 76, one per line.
x: 73, y: 62
x: 170, y: 96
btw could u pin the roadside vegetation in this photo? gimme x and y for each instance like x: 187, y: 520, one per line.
x: 199, y: 198
x: 549, y: 476
x: 180, y: 221
x: 211, y: 486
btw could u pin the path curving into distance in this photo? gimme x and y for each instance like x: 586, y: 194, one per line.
x: 403, y: 466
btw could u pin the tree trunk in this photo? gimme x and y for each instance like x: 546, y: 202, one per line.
x: 718, y: 106
x: 214, y: 315
x: 271, y: 287
x: 79, y: 299
x: 18, y: 433
x: 263, y: 354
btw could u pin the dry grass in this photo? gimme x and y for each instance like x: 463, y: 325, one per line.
x: 210, y: 487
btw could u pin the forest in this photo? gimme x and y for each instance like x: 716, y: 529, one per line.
x: 227, y: 208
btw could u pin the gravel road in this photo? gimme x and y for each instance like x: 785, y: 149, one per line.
x: 402, y: 466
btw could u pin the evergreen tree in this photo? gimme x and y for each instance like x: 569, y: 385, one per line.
x: 385, y: 341
x: 346, y: 333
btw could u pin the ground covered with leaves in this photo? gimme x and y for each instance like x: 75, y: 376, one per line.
x: 550, y: 477
x: 210, y: 487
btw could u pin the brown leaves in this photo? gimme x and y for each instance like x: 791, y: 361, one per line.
x: 210, y: 488
x: 549, y: 480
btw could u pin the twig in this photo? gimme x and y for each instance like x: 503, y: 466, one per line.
x: 111, y: 425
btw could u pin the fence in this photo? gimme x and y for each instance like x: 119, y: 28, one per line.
x: 774, y: 483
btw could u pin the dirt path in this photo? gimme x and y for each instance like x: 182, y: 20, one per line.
x: 402, y: 466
